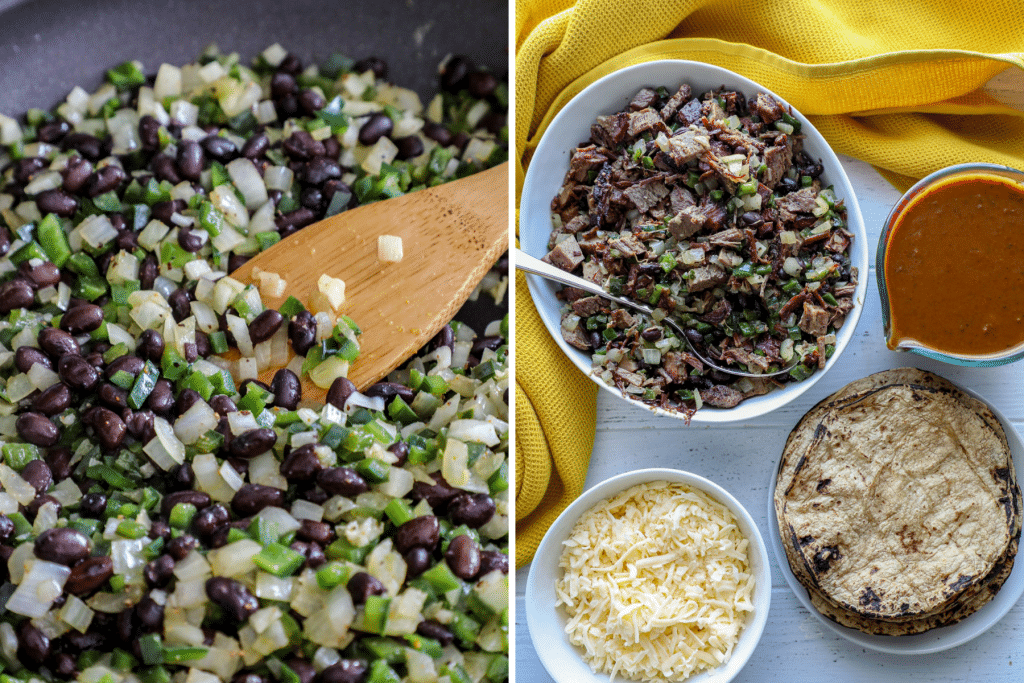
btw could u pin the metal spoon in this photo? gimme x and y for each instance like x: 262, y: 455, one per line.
x: 529, y: 264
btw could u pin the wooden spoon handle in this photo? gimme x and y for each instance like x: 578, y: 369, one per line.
x: 452, y: 234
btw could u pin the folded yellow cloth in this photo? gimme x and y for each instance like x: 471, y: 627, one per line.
x: 909, y: 87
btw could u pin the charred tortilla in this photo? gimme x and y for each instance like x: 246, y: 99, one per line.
x: 898, y: 504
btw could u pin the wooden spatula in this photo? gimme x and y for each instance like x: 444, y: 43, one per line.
x: 451, y: 235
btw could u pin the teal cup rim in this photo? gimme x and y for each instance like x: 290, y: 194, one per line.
x: 1010, y: 355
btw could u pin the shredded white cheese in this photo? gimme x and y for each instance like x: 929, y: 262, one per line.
x: 657, y: 583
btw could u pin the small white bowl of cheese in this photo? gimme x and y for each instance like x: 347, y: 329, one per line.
x: 656, y: 574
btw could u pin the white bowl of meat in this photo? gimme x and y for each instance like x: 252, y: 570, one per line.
x: 700, y: 193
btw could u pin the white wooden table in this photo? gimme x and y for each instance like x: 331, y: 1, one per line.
x: 741, y: 457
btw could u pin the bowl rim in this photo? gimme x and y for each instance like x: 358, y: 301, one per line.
x: 542, y: 615
x: 980, y: 168
x: 548, y: 151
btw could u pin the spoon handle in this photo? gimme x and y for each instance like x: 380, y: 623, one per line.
x: 529, y: 264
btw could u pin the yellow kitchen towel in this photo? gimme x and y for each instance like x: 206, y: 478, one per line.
x: 908, y: 86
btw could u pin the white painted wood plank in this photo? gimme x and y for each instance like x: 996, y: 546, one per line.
x: 742, y: 456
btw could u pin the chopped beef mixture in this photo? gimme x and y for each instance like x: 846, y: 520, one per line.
x: 708, y: 208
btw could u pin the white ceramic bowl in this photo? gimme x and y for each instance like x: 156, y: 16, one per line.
x: 551, y: 161
x: 547, y: 623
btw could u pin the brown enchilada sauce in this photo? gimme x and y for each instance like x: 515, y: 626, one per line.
x: 954, y: 267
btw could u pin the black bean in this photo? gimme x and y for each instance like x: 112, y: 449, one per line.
x: 345, y: 671
x: 256, y: 146
x: 287, y: 389
x: 493, y: 343
x: 493, y: 122
x: 81, y: 319
x: 208, y: 520
x: 150, y: 613
x: 388, y: 390
x: 287, y: 106
x: 438, y: 133
x: 113, y: 396
x: 93, y: 505
x: 140, y: 424
x: 232, y: 596
x: 236, y: 261
x: 223, y: 405
x: 105, y: 180
x: 265, y: 325
x: 76, y: 174
x: 5, y: 555
x: 58, y: 459
x: 180, y: 304
x: 290, y: 64
x: 437, y: 631
x: 463, y: 557
x: 181, y: 477
x: 190, y: 352
x: 418, y: 532
x: 311, y: 531
x: 282, y: 84
x: 33, y: 644
x: 36, y: 429
x: 481, y: 84
x: 199, y: 499
x: 409, y: 147
x: 313, y: 553
x: 57, y: 343
x: 400, y: 450
x: 179, y: 548
x: 300, y: 145
x: 312, y: 198
x: 341, y: 389
x: 149, y: 133
x: 57, y: 201
x: 87, y: 145
x: 189, y: 240
x: 186, y: 399
x: 491, y: 560
x: 294, y: 220
x: 161, y: 399
x: 252, y: 498
x: 27, y: 356
x: 313, y: 495
x: 437, y: 496
x: 158, y: 572
x: 321, y: 169
x: 311, y: 101
x: 32, y: 509
x: 362, y: 586
x: 375, y: 64
x: 454, y: 73
x: 218, y: 148
x: 38, y: 473
x: 25, y: 168
x: 160, y: 529
x: 53, y: 400
x: 150, y: 346
x: 110, y: 428
x: 472, y: 509
x: 77, y: 373
x: 129, y: 363
x: 65, y: 665
x: 254, y: 442
x: 417, y: 561
x: 303, y: 669
x: 376, y: 127
x: 164, y: 168
x: 302, y: 464
x: 302, y: 332
x: 190, y: 160
x: 445, y: 337
x: 54, y: 131
x: 16, y: 293
x: 342, y: 481
x: 651, y: 334
x: 89, y: 574
x: 162, y: 211
x: 148, y: 270
x: 41, y: 275
x: 6, y: 528
x: 62, y: 545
